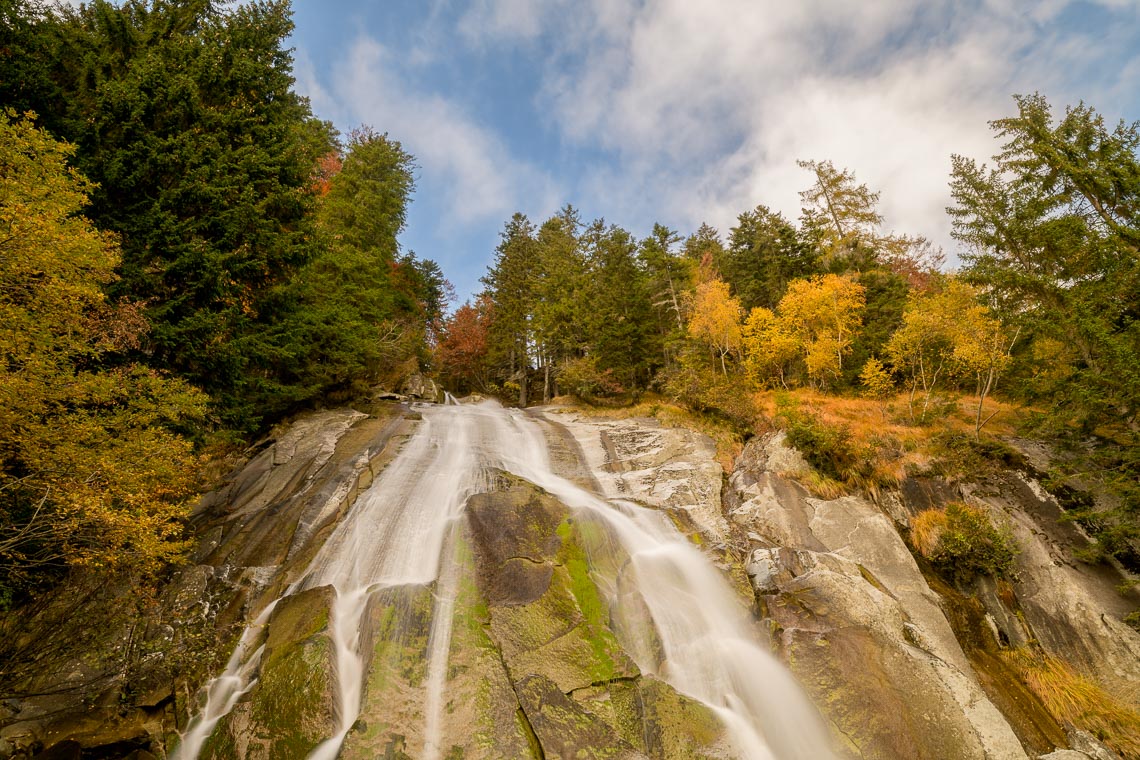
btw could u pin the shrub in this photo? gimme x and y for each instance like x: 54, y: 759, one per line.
x: 828, y: 448
x: 962, y: 543
x: 582, y: 378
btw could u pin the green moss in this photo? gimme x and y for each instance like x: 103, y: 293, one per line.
x: 220, y: 744
x: 291, y: 701
x: 594, y: 611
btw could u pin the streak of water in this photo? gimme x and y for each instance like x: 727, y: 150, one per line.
x: 396, y: 532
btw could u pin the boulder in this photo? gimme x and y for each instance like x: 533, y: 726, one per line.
x: 419, y: 386
x: 291, y: 710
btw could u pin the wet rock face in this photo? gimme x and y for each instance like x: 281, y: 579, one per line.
x: 673, y: 469
x: 533, y: 669
x: 857, y: 622
x: 291, y: 710
x: 513, y: 535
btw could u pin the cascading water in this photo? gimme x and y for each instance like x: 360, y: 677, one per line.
x: 397, y: 532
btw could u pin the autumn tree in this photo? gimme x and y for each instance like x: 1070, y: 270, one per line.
x: 461, y: 352
x: 770, y: 345
x: 921, y: 348
x: 825, y: 313
x: 982, y: 350
x: 949, y: 331
x: 91, y: 472
x: 715, y: 319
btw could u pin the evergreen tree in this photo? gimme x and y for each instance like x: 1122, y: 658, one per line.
x: 619, y: 313
x: 668, y: 275
x: 184, y: 116
x: 360, y: 307
x: 509, y: 284
x: 559, y: 294
x: 765, y: 252
x: 841, y: 216
x: 1053, y: 234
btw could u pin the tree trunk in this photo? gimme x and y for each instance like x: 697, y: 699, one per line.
x: 546, y: 383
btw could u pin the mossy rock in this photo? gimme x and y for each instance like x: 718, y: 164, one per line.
x: 512, y: 534
x: 656, y: 719
x: 564, y: 728
x: 291, y: 709
x: 391, y: 715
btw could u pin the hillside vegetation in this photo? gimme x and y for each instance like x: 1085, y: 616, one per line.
x: 190, y: 255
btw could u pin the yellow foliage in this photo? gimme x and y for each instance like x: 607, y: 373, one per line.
x: 768, y: 347
x: 949, y: 331
x: 877, y: 380
x: 817, y: 319
x: 715, y: 318
x: 90, y: 473
x: 1075, y: 700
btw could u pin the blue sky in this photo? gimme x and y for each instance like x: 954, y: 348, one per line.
x: 682, y: 111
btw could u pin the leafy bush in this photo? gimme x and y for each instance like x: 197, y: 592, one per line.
x: 582, y: 378
x: 828, y: 448
x: 962, y: 543
x: 701, y: 387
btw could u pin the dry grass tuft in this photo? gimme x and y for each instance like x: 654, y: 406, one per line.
x: 926, y: 529
x: 821, y: 486
x: 1074, y: 699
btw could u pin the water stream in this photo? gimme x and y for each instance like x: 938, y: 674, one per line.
x: 398, y: 532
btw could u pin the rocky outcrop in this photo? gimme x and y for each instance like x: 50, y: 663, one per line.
x: 902, y: 663
x: 124, y: 682
x: 543, y: 629
x: 1073, y: 609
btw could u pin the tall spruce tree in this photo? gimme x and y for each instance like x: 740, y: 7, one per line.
x: 622, y: 337
x: 509, y: 284
x: 185, y: 117
x: 765, y: 252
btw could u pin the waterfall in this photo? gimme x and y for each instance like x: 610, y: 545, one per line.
x: 396, y: 533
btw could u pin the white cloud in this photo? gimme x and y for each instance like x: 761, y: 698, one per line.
x: 481, y: 178
x: 707, y: 105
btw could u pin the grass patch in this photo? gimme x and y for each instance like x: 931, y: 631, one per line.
x: 1074, y: 699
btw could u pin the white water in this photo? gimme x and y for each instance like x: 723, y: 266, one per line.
x: 395, y: 535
